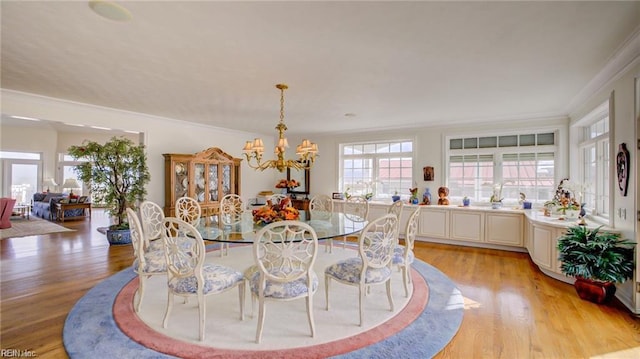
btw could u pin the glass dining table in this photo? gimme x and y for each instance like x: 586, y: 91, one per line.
x: 326, y: 225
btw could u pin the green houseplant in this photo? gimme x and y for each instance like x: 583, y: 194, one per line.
x: 117, y: 173
x: 597, y: 259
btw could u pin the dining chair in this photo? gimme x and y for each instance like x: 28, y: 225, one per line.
x: 152, y: 218
x: 373, y: 264
x: 187, y: 273
x: 403, y: 255
x: 279, y: 197
x: 148, y: 262
x: 321, y: 208
x: 188, y: 210
x: 231, y: 212
x: 396, y: 208
x: 357, y: 208
x: 285, y: 253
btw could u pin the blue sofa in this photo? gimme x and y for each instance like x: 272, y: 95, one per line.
x: 42, y: 203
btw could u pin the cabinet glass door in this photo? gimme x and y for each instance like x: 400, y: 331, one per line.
x: 213, y: 182
x: 226, y: 179
x: 199, y: 182
x: 181, y: 179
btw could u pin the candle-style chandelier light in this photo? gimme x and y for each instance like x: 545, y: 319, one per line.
x: 306, y: 151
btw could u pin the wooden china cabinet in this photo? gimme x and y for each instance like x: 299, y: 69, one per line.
x: 206, y: 176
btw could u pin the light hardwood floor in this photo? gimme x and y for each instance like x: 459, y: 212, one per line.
x: 512, y: 309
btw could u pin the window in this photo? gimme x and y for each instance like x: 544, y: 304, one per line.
x: 380, y: 168
x: 22, y: 174
x: 594, y: 171
x: 522, y: 163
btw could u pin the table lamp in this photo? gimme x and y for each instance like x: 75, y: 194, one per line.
x: 49, y: 182
x: 70, y: 183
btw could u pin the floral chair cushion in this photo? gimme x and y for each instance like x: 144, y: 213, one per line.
x: 155, y: 262
x: 398, y: 255
x: 155, y: 245
x: 217, y: 278
x: 285, y: 290
x: 348, y: 270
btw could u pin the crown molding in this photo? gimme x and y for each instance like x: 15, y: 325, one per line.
x: 626, y: 56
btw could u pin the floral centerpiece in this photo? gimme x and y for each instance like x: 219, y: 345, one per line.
x: 274, y: 212
x: 290, y: 184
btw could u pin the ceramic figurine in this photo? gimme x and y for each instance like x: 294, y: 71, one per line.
x: 426, y: 197
x: 443, y: 192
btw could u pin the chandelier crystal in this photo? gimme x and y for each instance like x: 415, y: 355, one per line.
x: 307, y: 150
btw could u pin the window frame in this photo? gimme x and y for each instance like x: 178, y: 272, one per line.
x: 498, y: 152
x: 600, y: 208
x: 375, y: 184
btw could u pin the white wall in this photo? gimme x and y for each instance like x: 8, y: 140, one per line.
x: 31, y: 139
x: 161, y: 135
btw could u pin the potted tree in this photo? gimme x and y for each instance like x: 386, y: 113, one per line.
x: 597, y: 259
x: 117, y: 173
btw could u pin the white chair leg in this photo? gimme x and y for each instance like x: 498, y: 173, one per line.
x: 312, y: 325
x: 328, y: 245
x: 326, y: 289
x: 138, y: 303
x: 261, y: 311
x: 389, y: 294
x: 241, y: 298
x: 361, y: 292
x: 202, y: 309
x: 254, y: 299
x: 167, y: 312
x: 405, y: 281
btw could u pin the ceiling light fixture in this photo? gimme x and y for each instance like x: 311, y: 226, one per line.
x: 306, y: 151
x: 110, y: 10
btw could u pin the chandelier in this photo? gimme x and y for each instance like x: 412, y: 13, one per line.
x: 306, y: 151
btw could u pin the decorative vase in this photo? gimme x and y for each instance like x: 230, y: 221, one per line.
x: 496, y: 205
x: 594, y: 291
x: 118, y: 236
x: 426, y: 197
x: 466, y: 202
x: 395, y: 198
x: 526, y: 205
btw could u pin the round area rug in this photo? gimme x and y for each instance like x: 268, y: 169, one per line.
x: 90, y: 330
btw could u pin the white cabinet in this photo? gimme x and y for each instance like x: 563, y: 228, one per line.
x: 528, y: 235
x: 504, y: 228
x: 543, y: 242
x: 434, y: 222
x: 467, y: 226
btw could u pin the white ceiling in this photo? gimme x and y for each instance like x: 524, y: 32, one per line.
x: 392, y: 64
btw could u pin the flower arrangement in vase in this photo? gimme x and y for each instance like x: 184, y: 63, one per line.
x: 271, y: 212
x: 291, y: 184
x: 564, y: 202
x: 496, y: 197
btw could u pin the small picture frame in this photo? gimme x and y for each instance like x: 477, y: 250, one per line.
x: 338, y: 195
x: 73, y: 200
x: 82, y: 199
x: 428, y: 173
